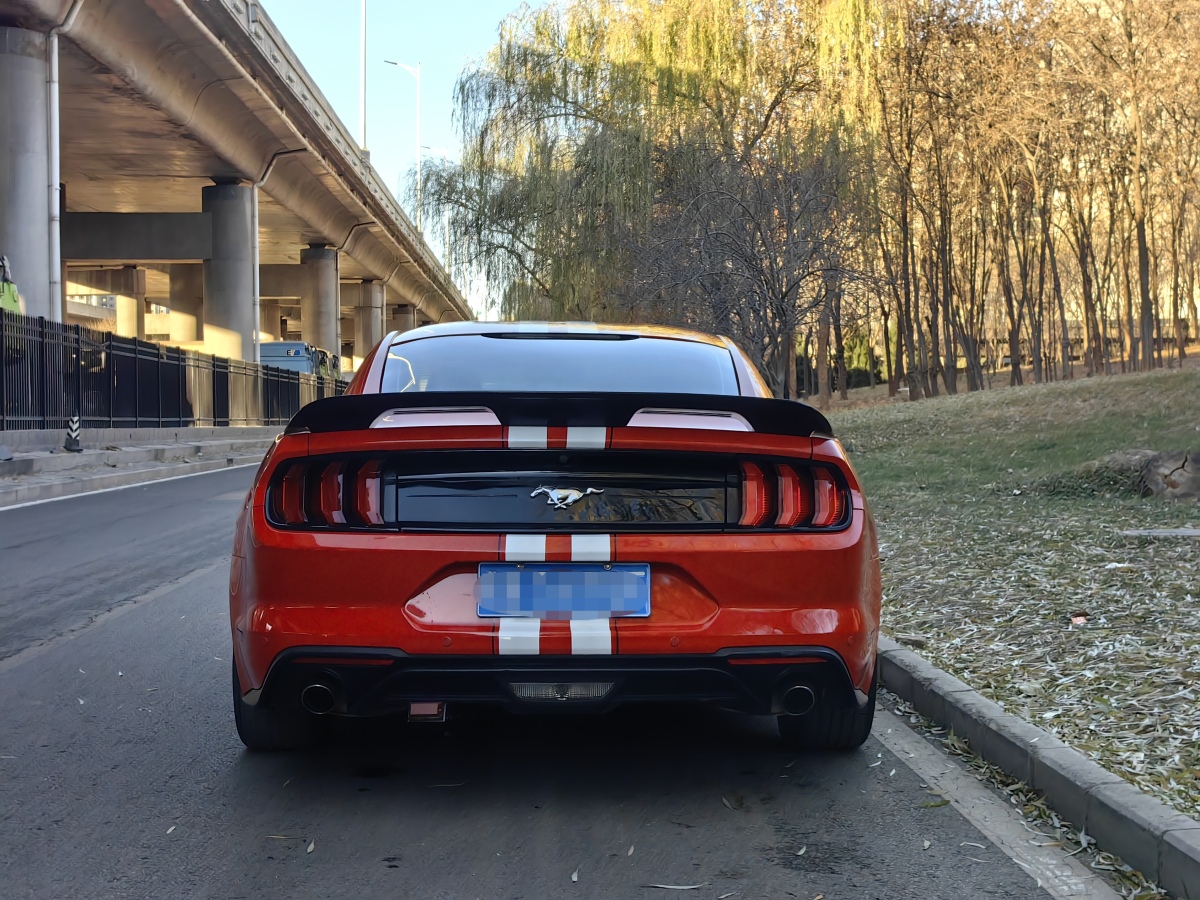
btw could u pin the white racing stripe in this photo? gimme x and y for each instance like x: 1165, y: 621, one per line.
x: 587, y: 438
x: 591, y: 637
x: 523, y: 635
x: 519, y: 636
x: 525, y: 548
x: 527, y: 437
x: 591, y: 548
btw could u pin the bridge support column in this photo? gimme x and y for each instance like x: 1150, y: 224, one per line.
x: 368, y: 318
x: 320, y: 304
x: 25, y: 168
x: 131, y: 301
x: 404, y: 318
x: 187, y: 302
x: 229, y: 274
x: 268, y: 320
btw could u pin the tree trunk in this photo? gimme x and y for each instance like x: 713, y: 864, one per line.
x: 1068, y: 367
x: 839, y: 343
x: 825, y: 395
x: 906, y: 311
x: 789, y: 387
x: 887, y: 350
x: 1132, y: 353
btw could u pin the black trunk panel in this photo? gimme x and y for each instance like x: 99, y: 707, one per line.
x: 548, y: 490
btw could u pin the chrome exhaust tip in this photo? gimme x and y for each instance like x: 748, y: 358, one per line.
x: 798, y: 700
x: 319, y: 699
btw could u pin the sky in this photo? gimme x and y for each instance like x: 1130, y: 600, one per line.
x: 444, y: 36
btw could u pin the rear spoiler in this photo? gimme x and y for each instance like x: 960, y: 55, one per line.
x: 358, y: 412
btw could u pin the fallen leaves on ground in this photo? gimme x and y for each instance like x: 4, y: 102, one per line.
x: 1039, y: 601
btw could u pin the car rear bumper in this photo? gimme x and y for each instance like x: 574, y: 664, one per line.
x: 373, y: 681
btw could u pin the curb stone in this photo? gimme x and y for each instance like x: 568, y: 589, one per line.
x: 30, y: 493
x: 1146, y: 833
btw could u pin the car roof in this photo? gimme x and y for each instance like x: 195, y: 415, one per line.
x: 655, y: 331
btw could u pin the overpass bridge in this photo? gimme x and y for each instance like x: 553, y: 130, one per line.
x: 169, y: 167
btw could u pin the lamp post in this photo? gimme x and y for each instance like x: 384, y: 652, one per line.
x: 415, y: 72
x: 362, y: 79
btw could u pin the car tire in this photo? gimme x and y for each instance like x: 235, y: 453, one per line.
x: 831, y: 726
x: 266, y: 730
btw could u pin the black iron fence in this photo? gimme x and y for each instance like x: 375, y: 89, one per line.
x: 53, y: 371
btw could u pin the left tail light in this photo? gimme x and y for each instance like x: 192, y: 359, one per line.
x: 339, y: 493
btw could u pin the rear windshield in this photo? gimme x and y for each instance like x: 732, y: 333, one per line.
x: 559, y: 363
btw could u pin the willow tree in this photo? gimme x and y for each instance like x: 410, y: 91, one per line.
x: 612, y: 147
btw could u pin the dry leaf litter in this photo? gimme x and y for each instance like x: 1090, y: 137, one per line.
x: 1046, y: 828
x: 1003, y: 562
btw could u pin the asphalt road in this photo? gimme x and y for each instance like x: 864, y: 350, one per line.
x: 121, y: 774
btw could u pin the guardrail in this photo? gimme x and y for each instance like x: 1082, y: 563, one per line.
x: 52, y: 371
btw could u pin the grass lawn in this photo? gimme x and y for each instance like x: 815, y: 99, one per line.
x: 992, y: 544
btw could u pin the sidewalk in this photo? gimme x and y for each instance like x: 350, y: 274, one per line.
x: 33, y: 475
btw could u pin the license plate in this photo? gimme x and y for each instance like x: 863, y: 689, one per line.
x: 564, y: 590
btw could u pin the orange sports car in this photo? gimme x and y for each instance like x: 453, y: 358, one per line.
x: 552, y: 517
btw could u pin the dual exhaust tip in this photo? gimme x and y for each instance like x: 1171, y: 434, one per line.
x: 798, y: 700
x: 319, y: 698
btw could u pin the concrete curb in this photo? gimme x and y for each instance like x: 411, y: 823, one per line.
x: 44, y: 463
x: 31, y: 493
x: 51, y: 440
x: 1147, y: 834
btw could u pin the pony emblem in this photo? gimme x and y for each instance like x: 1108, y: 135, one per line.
x: 561, y: 498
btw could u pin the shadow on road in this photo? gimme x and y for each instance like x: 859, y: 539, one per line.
x: 638, y: 751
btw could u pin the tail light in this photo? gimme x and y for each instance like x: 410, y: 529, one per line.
x: 791, y: 496
x: 830, y: 502
x: 756, y: 504
x: 327, y: 493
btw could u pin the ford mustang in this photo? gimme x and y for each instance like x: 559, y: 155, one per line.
x: 554, y: 517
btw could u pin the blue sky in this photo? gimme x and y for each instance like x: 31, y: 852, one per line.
x: 442, y: 35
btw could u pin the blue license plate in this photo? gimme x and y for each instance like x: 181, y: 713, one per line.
x: 564, y: 590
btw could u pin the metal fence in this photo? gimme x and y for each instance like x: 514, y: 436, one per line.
x: 53, y: 371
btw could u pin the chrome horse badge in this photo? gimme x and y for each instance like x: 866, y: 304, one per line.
x: 561, y: 498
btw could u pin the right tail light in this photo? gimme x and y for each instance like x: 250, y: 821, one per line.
x: 784, y: 495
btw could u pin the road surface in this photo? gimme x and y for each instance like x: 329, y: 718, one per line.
x: 122, y: 776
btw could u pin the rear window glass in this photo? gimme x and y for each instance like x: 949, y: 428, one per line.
x: 560, y: 363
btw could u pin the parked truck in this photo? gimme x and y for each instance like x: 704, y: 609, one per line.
x: 300, y: 356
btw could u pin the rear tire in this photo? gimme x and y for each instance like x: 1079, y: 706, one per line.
x: 830, y: 726
x: 263, y: 729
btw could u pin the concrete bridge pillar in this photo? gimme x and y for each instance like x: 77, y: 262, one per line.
x: 187, y: 302
x: 320, y: 304
x: 25, y: 167
x: 130, y: 284
x: 268, y: 320
x: 368, y: 318
x: 229, y: 273
x: 404, y: 318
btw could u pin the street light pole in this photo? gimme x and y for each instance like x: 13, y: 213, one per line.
x: 415, y: 72
x: 362, y: 78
